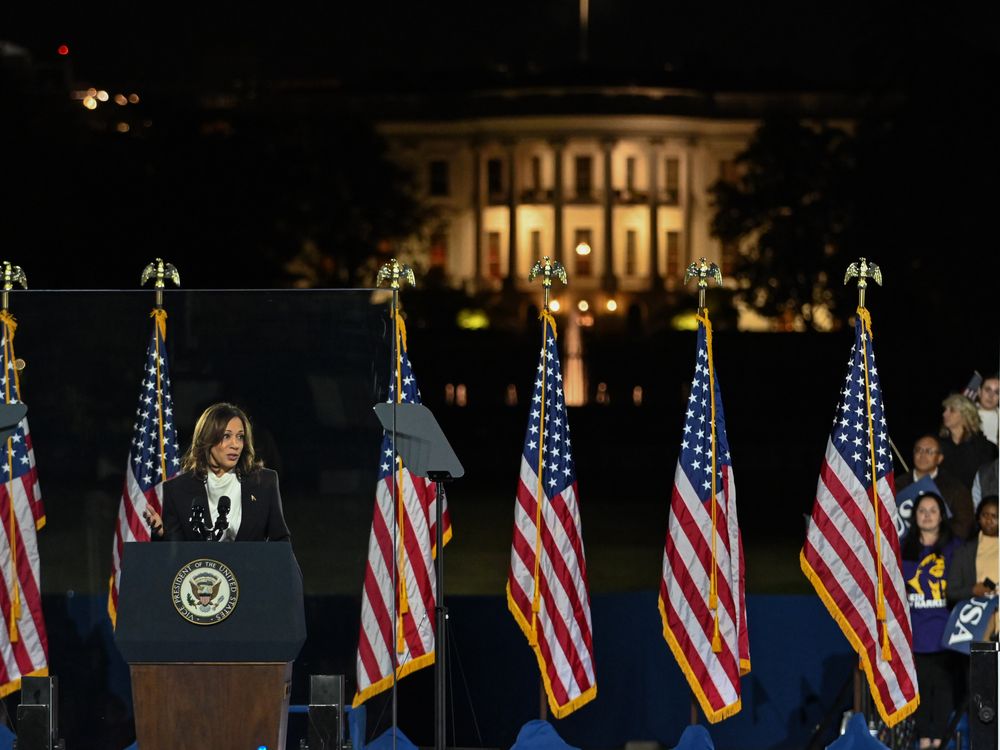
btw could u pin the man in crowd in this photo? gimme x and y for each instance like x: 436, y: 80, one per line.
x: 926, y: 463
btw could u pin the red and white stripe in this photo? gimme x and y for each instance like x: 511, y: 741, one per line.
x: 130, y: 526
x: 688, y: 620
x: 561, y: 634
x: 378, y: 642
x: 839, y: 558
x: 26, y: 654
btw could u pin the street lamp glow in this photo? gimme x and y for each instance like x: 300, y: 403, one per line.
x: 554, y: 305
x: 612, y: 305
x: 583, y: 305
x: 583, y: 249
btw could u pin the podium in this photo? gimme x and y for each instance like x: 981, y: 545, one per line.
x: 210, y: 631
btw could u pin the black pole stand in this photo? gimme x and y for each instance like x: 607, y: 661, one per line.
x: 426, y: 453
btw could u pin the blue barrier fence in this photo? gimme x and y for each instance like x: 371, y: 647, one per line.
x: 799, y: 662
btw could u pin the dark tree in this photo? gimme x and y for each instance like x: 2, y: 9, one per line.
x: 791, y: 213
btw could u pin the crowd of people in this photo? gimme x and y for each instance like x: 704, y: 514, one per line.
x: 949, y: 545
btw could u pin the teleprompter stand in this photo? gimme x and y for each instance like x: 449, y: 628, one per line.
x: 425, y: 451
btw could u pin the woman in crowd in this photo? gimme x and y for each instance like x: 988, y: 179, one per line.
x: 927, y: 552
x: 975, y: 569
x: 221, y: 465
x: 963, y: 444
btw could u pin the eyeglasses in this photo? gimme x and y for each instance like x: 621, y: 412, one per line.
x: 928, y: 451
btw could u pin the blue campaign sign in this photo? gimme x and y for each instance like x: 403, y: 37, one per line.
x: 968, y: 622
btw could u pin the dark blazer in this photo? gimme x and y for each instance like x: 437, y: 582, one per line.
x: 962, y: 571
x: 262, y: 518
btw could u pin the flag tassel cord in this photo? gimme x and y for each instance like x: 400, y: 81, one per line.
x: 866, y: 323
x: 404, y: 602
x: 713, y: 587
x: 159, y: 315
x: 547, y: 320
x: 10, y: 325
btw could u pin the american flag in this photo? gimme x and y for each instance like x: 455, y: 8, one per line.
x: 154, y: 455
x: 702, y: 598
x: 23, y: 642
x: 404, y: 642
x: 851, y: 553
x: 547, y: 583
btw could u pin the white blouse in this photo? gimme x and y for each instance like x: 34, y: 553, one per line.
x: 227, y: 485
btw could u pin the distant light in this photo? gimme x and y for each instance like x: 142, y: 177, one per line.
x: 90, y: 102
x: 583, y: 249
x: 62, y: 49
x: 133, y: 98
x: 511, y: 397
x: 612, y: 305
x: 461, y: 398
x: 586, y: 320
x: 583, y: 305
x: 120, y: 100
x: 554, y: 305
x: 603, y: 397
x: 472, y: 319
x: 449, y: 394
x: 637, y: 395
x: 102, y: 95
x: 685, y: 321
x: 91, y: 91
x: 122, y: 127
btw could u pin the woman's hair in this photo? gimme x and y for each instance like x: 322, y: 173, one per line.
x: 912, y: 547
x: 208, y: 432
x: 971, y: 423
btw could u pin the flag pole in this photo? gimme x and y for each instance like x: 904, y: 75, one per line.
x: 862, y: 270
x: 547, y: 269
x: 160, y: 272
x: 703, y: 271
x: 11, y: 274
x: 396, y: 273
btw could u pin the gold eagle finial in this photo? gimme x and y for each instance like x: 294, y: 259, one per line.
x: 703, y: 271
x: 862, y: 270
x: 548, y: 269
x: 395, y: 272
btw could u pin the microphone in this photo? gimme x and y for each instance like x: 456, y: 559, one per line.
x: 221, y: 522
x: 199, y: 519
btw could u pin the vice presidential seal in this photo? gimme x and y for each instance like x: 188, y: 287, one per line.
x: 205, y: 592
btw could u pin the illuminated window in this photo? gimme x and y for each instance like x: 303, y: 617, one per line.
x: 728, y: 171
x: 673, y: 254
x: 536, y: 244
x: 493, y: 255
x: 672, y: 186
x: 631, y: 253
x: 536, y: 173
x: 438, y: 178
x: 439, y: 249
x: 584, y: 178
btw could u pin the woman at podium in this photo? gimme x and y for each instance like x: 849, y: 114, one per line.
x: 223, y: 492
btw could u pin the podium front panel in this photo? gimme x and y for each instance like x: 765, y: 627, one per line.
x: 210, y: 602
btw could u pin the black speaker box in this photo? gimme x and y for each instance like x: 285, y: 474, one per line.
x: 33, y: 728
x: 983, y: 696
x: 326, y: 711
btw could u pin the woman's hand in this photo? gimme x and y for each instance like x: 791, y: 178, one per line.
x: 979, y: 589
x: 154, y: 522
